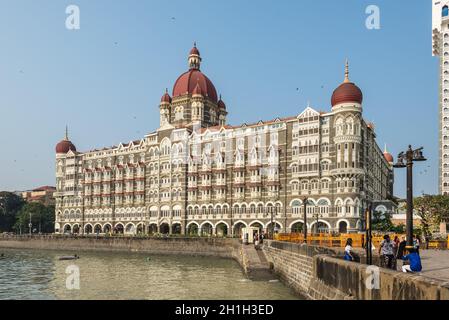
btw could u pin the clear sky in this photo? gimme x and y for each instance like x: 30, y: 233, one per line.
x: 106, y: 79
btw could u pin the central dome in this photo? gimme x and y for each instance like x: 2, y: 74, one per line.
x: 188, y: 81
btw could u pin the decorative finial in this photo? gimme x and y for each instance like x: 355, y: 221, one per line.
x: 385, y: 151
x: 347, y: 71
x: 166, y: 90
x: 194, y: 44
x: 66, y: 133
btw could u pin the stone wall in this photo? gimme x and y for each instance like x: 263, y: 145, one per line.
x: 321, y: 273
x: 219, y: 247
x: 216, y: 247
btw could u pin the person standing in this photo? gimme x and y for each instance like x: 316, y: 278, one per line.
x: 395, y: 250
x: 387, y: 252
x: 416, y: 243
x: 401, y: 248
x: 348, y: 251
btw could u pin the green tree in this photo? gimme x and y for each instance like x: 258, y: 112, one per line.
x: 42, y: 218
x: 382, y: 222
x: 10, y: 205
x: 432, y: 210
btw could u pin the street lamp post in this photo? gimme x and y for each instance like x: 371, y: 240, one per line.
x: 405, y: 160
x: 369, y: 243
x: 305, y: 219
x: 317, y: 215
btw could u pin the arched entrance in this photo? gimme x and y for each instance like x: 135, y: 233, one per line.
x: 222, y: 230
x: 88, y: 229
x: 275, y: 227
x: 164, y: 228
x: 343, y: 227
x: 207, y: 230
x: 238, y: 229
x: 97, y: 229
x: 176, y: 228
x: 297, y: 227
x: 76, y: 229
x: 130, y: 229
x: 140, y: 228
x: 67, y: 228
x: 192, y: 229
x: 320, y: 227
x: 152, y: 229
x: 107, y: 228
x: 119, y: 229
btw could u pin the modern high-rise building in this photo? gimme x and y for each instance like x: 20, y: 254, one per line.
x: 197, y: 174
x: 440, y: 41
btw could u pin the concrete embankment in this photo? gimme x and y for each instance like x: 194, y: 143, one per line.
x: 252, y: 262
x: 321, y: 273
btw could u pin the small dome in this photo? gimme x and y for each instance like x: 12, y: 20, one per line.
x: 166, y: 97
x: 388, y: 157
x: 195, y: 50
x: 347, y: 91
x: 65, y: 146
x: 221, y: 104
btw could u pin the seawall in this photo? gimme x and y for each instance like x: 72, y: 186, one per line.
x: 209, y: 247
x: 320, y: 273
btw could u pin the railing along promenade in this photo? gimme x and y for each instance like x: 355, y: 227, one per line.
x: 358, y: 240
x: 322, y: 239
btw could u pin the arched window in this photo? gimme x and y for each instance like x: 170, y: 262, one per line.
x: 296, y: 207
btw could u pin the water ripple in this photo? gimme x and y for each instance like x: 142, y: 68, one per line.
x: 39, y: 275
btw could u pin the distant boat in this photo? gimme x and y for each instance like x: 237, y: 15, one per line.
x: 75, y: 257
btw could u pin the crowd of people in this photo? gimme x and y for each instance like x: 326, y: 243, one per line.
x: 391, y: 251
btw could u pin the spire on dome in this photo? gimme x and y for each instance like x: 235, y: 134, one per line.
x: 388, y: 155
x: 65, y: 145
x: 221, y: 103
x: 347, y: 72
x: 194, y: 58
x: 166, y: 97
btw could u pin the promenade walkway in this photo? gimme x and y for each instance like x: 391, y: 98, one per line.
x: 435, y: 264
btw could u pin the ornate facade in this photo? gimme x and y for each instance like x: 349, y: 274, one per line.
x: 197, y: 174
x: 441, y: 48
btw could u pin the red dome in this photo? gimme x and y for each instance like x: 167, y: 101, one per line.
x: 166, y: 97
x: 221, y: 104
x: 187, y: 82
x: 195, y: 51
x: 347, y: 92
x: 65, y: 146
x: 388, y: 157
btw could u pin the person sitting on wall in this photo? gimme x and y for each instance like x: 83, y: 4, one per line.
x: 415, y: 262
x: 348, y: 251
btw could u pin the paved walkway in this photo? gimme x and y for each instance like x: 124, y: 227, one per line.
x: 435, y: 264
